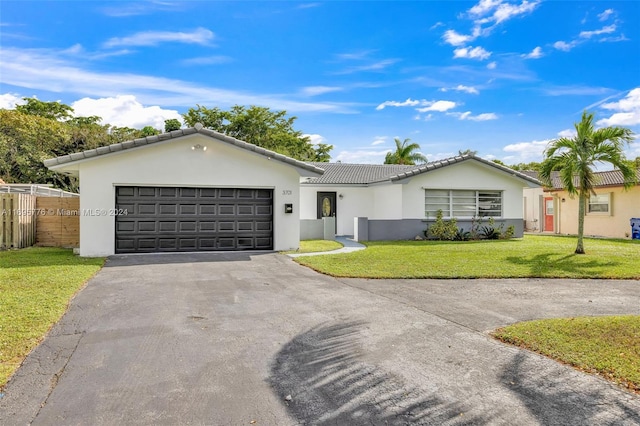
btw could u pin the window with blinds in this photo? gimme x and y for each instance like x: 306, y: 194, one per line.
x: 462, y: 203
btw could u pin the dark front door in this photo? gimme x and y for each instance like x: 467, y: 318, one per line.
x: 326, y: 205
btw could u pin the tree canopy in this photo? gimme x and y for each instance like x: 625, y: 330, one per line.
x: 272, y: 130
x: 575, y: 159
x: 405, y: 153
x: 38, y: 130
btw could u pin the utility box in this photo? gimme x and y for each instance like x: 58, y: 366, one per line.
x: 635, y: 228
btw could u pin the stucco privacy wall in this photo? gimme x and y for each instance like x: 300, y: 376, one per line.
x: 356, y: 201
x: 174, y: 163
x: 624, y: 206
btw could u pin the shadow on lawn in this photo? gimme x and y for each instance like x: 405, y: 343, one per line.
x: 543, y: 265
x: 322, y: 372
x: 553, y: 402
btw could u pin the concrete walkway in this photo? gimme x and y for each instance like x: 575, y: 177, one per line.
x: 349, y: 246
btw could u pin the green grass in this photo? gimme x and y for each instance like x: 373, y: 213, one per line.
x: 315, y: 246
x: 607, y: 346
x: 36, y: 285
x: 531, y: 256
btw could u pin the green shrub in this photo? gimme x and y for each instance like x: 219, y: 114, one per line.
x: 444, y: 230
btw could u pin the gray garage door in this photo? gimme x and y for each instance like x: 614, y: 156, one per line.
x: 193, y: 219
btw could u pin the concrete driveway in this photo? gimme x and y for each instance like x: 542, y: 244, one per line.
x: 249, y: 338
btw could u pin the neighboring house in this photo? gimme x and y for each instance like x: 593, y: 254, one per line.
x: 189, y: 190
x: 386, y: 202
x: 608, y: 210
x: 196, y: 190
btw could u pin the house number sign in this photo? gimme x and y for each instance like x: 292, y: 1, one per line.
x: 287, y: 192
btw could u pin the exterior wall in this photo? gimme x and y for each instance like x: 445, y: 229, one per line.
x: 408, y: 229
x: 174, y: 163
x: 387, y: 202
x: 624, y: 206
x: 470, y: 175
x: 356, y: 201
x: 533, y: 209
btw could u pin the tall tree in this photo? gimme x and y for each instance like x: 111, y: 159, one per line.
x: 405, y: 153
x: 172, y: 124
x: 272, y: 130
x: 576, y: 157
x: 52, y: 110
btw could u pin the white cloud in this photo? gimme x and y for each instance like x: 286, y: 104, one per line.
x: 480, y: 117
x: 47, y: 70
x: 605, y: 15
x: 564, y: 46
x: 315, y: 139
x: 379, y: 140
x: 440, y: 106
x: 124, y: 111
x: 319, y: 90
x: 207, y: 60
x: 9, y: 101
x: 471, y: 53
x: 375, y: 66
x: 362, y: 156
x: 454, y: 39
x: 507, y: 11
x: 153, y: 38
x: 604, y: 30
x: 627, y: 110
x: 525, y: 152
x: 534, y: 54
x: 567, y: 133
x: 492, y: 65
x: 408, y: 102
x: 497, y: 11
x: 461, y: 88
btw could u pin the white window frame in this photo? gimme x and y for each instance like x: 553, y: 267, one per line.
x: 600, y: 201
x: 443, y: 199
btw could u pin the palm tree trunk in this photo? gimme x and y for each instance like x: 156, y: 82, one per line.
x: 581, y: 211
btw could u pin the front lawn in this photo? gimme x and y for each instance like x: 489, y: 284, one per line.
x: 532, y: 256
x: 607, y: 346
x: 315, y: 246
x: 36, y: 285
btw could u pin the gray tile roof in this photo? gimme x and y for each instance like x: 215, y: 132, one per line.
x: 353, y: 174
x: 356, y: 174
x: 198, y: 128
x: 603, y: 179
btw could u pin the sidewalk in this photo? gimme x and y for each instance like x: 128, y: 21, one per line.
x: 349, y: 246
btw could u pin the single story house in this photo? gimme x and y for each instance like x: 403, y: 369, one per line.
x: 196, y: 189
x: 385, y: 202
x: 608, y: 211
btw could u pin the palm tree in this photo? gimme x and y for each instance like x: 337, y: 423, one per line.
x: 405, y: 153
x: 575, y: 158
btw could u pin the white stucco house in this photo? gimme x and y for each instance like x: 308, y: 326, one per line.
x: 196, y: 189
x: 386, y: 202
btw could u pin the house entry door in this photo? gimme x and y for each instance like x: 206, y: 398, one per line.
x: 327, y: 205
x: 548, y: 214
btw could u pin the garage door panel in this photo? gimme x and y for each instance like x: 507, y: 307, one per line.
x: 216, y: 219
x: 146, y: 192
x: 169, y: 209
x: 227, y: 209
x: 147, y: 226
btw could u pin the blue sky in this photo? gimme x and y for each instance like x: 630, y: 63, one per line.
x: 499, y: 77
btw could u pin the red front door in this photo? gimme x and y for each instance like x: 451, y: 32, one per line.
x: 548, y: 214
